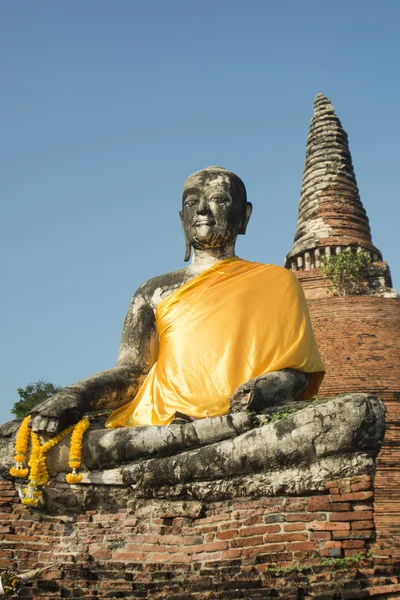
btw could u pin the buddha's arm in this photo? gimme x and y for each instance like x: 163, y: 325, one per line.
x: 111, y: 388
x: 269, y: 390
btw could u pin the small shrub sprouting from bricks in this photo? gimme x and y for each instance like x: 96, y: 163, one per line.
x: 288, y: 570
x: 344, y: 563
x: 347, y: 272
x: 317, y: 561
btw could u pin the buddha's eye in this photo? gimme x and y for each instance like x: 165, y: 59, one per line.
x: 219, y: 199
x: 191, y: 200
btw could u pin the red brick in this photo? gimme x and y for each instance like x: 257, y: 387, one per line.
x: 304, y: 517
x: 253, y: 521
x: 295, y: 507
x: 385, y: 589
x: 211, y: 519
x: 328, y: 526
x: 332, y: 545
x: 352, y: 497
x: 145, y: 548
x: 340, y: 506
x: 331, y: 483
x: 5, y: 529
x: 245, y: 504
x: 212, y: 547
x: 101, y: 554
x: 227, y: 535
x: 353, y: 544
x: 300, y: 546
x: 363, y: 525
x: 362, y: 515
x: 250, y: 541
x: 273, y: 528
x: 131, y: 556
x: 230, y: 525
x: 169, y: 558
x: 292, y: 527
x: 8, y: 516
x: 255, y: 530
x: 285, y: 537
x: 364, y: 483
x: 317, y: 503
x: 352, y: 551
x: 266, y: 549
x: 206, y: 556
x: 230, y: 554
x: 369, y: 534
x: 210, y: 528
x: 320, y: 535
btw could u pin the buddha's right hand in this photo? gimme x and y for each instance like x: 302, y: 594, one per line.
x: 58, y: 412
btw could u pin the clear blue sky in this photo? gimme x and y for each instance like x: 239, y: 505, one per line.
x: 107, y: 106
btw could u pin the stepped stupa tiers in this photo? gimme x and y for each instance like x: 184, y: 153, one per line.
x: 331, y: 215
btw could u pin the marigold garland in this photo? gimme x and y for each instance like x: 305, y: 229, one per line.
x: 21, y: 448
x: 75, y: 452
x: 38, y: 473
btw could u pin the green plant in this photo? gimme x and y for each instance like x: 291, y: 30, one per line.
x: 343, y: 563
x: 32, y: 395
x: 317, y: 561
x: 288, y: 570
x: 276, y: 416
x: 347, y: 271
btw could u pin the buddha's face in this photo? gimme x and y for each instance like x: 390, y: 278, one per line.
x: 213, y: 210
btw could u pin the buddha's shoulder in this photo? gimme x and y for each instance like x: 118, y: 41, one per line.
x: 273, y: 271
x: 157, y: 288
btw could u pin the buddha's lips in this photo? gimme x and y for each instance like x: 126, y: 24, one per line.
x: 204, y: 222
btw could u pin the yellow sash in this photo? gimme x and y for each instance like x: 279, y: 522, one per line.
x: 233, y: 322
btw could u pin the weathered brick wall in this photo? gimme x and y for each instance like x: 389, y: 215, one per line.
x: 224, y: 552
x: 359, y: 340
x: 313, y: 283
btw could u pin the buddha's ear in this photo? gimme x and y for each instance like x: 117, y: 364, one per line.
x: 188, y: 247
x: 245, y: 220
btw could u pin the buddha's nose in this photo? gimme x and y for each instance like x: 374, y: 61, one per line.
x: 203, y: 207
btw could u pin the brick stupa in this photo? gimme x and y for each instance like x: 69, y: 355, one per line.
x: 331, y: 215
x: 358, y: 336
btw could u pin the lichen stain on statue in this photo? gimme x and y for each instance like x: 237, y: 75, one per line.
x: 202, y: 353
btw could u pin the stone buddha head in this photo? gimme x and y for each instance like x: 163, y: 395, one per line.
x: 214, y: 209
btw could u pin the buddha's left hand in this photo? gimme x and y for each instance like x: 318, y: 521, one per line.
x: 269, y: 390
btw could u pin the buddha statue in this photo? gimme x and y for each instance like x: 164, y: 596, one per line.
x: 217, y: 336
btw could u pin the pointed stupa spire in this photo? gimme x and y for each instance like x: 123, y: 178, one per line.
x: 331, y: 214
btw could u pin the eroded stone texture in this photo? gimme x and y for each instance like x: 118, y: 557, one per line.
x: 223, y: 457
x: 108, y: 448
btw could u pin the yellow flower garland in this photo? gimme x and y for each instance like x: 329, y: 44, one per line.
x: 75, y: 452
x: 38, y: 474
x: 21, y: 448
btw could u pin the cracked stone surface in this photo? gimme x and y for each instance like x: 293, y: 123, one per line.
x: 223, y: 457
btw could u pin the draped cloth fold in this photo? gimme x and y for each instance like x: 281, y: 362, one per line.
x: 233, y: 322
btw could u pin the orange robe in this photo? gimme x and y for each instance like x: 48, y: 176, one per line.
x: 233, y: 322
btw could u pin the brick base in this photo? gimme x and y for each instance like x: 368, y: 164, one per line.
x: 228, y: 551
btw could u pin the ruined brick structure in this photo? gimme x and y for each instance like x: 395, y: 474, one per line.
x: 272, y: 525
x: 358, y: 336
x: 212, y: 551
